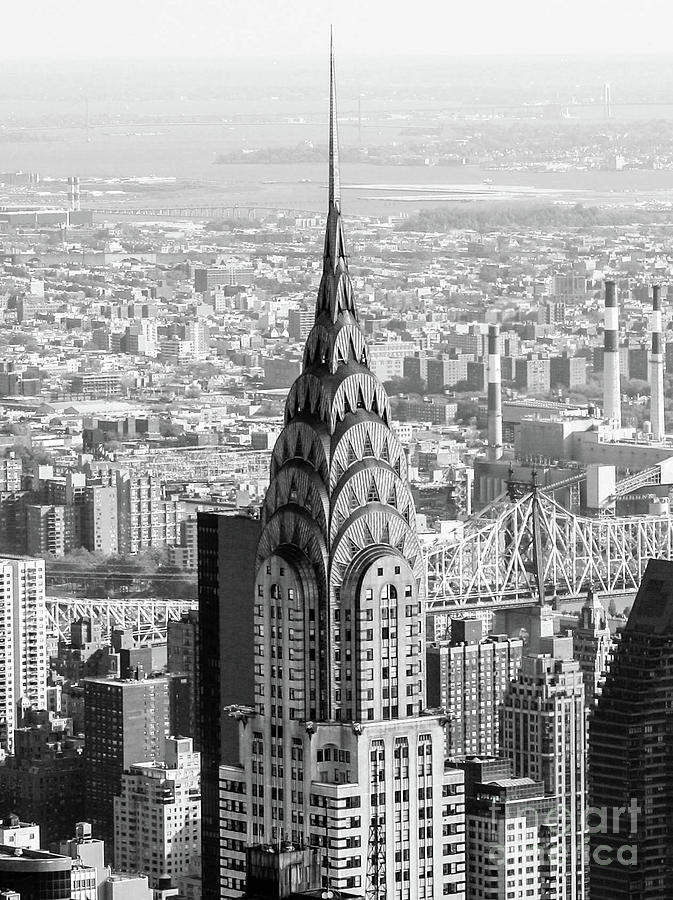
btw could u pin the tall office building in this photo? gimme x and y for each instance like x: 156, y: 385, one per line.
x: 226, y: 557
x: 593, y: 645
x: 544, y: 735
x: 512, y: 833
x: 631, y: 760
x: 469, y: 677
x: 125, y: 722
x: 23, y: 649
x: 157, y: 815
x: 338, y: 750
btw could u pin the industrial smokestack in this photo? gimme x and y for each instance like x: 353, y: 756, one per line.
x: 73, y: 194
x: 607, y: 100
x: 657, y: 369
x: 494, y: 395
x: 612, y: 399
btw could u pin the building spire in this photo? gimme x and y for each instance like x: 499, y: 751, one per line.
x: 334, y: 183
x: 335, y: 295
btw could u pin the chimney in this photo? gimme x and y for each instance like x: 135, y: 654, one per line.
x: 612, y: 400
x: 494, y: 395
x: 657, y: 369
x: 73, y: 193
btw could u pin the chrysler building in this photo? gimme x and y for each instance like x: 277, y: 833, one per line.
x: 339, y: 751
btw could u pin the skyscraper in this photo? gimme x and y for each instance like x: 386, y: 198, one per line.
x: 337, y: 749
x: 470, y: 681
x: 544, y: 735
x: 512, y: 833
x: 125, y: 722
x: 157, y: 817
x: 23, y: 649
x: 631, y: 756
x: 226, y: 550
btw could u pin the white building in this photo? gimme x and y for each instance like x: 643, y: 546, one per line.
x: 545, y: 737
x: 23, y: 650
x: 386, y: 358
x: 14, y: 833
x: 512, y: 833
x: 158, y: 814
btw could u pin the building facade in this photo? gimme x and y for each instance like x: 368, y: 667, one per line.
x: 125, y: 722
x: 42, y: 780
x: 544, y: 734
x: 157, y: 815
x: 512, y: 834
x: 630, y: 753
x: 471, y: 677
x: 227, y: 548
x: 23, y: 650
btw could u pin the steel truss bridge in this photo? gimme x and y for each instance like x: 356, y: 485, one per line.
x: 523, y: 548
x: 147, y: 618
x: 199, y: 212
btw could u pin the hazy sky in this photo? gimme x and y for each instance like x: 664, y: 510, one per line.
x: 72, y: 29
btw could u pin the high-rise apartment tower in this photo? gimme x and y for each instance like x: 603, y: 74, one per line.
x: 23, y: 647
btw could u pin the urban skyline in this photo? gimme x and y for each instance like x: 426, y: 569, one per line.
x: 317, y: 568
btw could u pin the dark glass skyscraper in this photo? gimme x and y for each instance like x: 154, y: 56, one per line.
x: 226, y: 557
x: 631, y: 753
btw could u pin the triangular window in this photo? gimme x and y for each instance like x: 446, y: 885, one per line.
x: 373, y: 494
x: 369, y: 450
